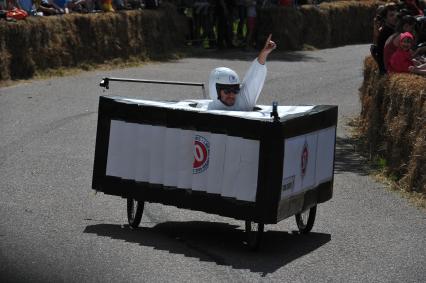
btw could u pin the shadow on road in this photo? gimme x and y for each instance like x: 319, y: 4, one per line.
x: 238, y: 54
x: 221, y: 243
x: 348, y: 159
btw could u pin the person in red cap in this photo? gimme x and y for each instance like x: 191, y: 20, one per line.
x: 402, y: 60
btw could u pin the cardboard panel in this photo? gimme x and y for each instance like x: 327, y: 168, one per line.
x: 201, y: 161
x: 246, y: 179
x: 156, y: 160
x: 185, y: 158
x: 308, y: 157
x: 171, y: 161
x: 217, y: 159
x: 115, y: 156
x: 142, y: 153
x: 325, y: 159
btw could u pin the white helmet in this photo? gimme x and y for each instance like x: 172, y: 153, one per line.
x: 221, y: 77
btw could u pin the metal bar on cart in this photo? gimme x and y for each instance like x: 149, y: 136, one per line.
x: 105, y: 83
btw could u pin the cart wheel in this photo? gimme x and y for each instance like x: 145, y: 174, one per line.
x: 305, y: 220
x: 254, y: 233
x: 134, y: 212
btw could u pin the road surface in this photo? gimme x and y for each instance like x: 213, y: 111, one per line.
x: 54, y: 228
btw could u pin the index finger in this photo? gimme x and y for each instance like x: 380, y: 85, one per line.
x: 269, y: 37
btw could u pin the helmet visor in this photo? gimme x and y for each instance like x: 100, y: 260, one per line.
x: 228, y: 89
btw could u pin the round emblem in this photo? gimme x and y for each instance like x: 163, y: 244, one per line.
x: 232, y: 79
x: 201, y: 154
x: 304, y: 159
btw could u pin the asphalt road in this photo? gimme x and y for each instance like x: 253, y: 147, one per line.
x: 54, y: 228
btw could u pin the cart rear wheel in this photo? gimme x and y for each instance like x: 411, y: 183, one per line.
x: 305, y: 220
x: 134, y: 212
x: 254, y: 233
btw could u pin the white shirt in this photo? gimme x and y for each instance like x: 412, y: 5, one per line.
x: 249, y: 93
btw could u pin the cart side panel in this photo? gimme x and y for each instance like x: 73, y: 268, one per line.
x: 258, y: 147
x: 270, y: 174
x: 308, y: 162
x: 102, y: 137
x: 188, y: 199
x: 120, y: 169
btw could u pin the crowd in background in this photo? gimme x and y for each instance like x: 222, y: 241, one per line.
x: 211, y: 23
x: 399, y: 41
x: 19, y: 9
x: 226, y: 23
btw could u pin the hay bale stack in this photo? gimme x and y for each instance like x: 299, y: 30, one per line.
x: 393, y: 120
x: 284, y: 23
x: 70, y: 40
x: 329, y: 25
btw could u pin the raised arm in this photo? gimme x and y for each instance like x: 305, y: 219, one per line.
x: 269, y: 46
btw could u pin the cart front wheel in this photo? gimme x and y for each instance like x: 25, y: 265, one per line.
x: 254, y: 233
x: 305, y: 220
x: 134, y: 212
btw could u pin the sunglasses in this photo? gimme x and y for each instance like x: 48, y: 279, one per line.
x: 231, y: 90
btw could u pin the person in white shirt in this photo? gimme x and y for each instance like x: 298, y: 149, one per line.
x: 225, y: 89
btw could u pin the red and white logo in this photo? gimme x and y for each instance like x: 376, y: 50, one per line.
x: 304, y: 159
x: 201, y: 154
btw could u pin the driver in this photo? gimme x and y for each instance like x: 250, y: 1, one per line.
x: 225, y: 89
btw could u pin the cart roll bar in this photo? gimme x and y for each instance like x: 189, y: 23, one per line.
x: 274, y: 112
x: 105, y: 83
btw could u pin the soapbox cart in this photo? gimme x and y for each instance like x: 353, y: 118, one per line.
x: 260, y: 167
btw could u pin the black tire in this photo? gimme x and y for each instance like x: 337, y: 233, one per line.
x: 305, y: 220
x: 254, y: 232
x: 134, y: 212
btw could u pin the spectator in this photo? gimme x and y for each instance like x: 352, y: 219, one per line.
x: 200, y: 14
x: 413, y: 7
x: 285, y: 3
x: 26, y: 5
x: 251, y: 24
x: 80, y: 6
x: 3, y: 5
x: 48, y: 8
x: 405, y: 24
x: 389, y: 14
x: 119, y: 4
x: 378, y: 23
x: 106, y: 6
x: 402, y: 60
x: 60, y: 4
x: 224, y: 23
x: 421, y: 30
x: 242, y: 16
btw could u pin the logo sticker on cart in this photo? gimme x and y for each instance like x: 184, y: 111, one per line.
x: 304, y: 159
x: 201, y: 154
x: 288, y: 184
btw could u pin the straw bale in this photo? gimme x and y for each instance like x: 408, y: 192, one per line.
x: 393, y: 121
x: 40, y: 43
x: 326, y: 25
x: 316, y: 27
x: 286, y: 25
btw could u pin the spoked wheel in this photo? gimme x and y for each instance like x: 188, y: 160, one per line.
x: 134, y: 212
x: 254, y: 232
x: 305, y: 220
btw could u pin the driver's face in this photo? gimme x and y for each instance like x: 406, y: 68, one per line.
x: 228, y: 97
